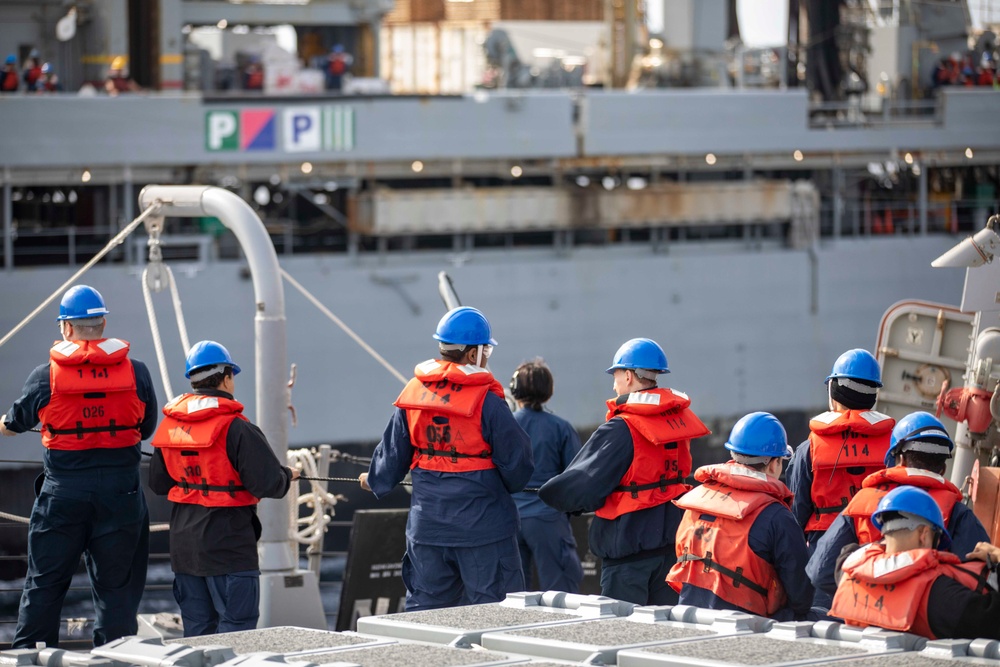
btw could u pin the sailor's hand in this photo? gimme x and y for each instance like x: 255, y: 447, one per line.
x: 363, y: 478
x: 986, y: 552
x: 3, y: 426
x: 296, y: 473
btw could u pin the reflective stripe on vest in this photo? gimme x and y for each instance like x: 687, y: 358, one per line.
x: 93, y: 402
x: 662, y: 427
x: 444, y: 408
x: 845, y: 447
x: 192, y: 440
x: 712, y: 549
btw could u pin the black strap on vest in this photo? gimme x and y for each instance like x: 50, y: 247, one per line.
x: 736, y: 575
x: 451, y: 452
x: 80, y: 430
x: 662, y: 485
x: 205, y: 487
x: 836, y: 509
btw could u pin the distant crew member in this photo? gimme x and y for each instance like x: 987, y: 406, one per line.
x: 9, y: 80
x: 546, y: 538
x: 214, y: 466
x: 628, y: 472
x: 845, y: 445
x: 906, y: 582
x: 739, y: 546
x: 118, y: 81
x: 921, y: 446
x: 452, y: 430
x: 95, y: 406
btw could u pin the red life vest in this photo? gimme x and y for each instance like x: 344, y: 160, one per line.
x: 891, y: 592
x: 444, y: 411
x: 93, y: 403
x: 877, y: 484
x: 845, y: 447
x: 714, y: 555
x: 192, y: 439
x: 662, y: 428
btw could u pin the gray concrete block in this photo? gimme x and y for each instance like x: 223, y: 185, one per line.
x: 754, y: 650
x: 413, y: 655
x: 274, y: 640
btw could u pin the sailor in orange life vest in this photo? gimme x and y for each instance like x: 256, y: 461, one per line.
x: 905, y: 583
x: 214, y: 466
x: 453, y: 431
x: 922, y: 447
x: 95, y: 405
x: 845, y: 445
x: 738, y: 546
x: 628, y: 472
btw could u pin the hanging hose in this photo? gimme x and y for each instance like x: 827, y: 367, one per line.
x: 115, y: 241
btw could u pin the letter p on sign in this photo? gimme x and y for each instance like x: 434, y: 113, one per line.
x: 302, y: 130
x: 221, y: 131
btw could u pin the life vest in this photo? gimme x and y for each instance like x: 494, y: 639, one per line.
x: 845, y: 447
x: 891, y: 592
x: 192, y: 439
x: 338, y: 64
x: 93, y: 402
x: 877, y: 484
x: 8, y: 80
x: 713, y: 553
x: 444, y: 411
x: 662, y: 428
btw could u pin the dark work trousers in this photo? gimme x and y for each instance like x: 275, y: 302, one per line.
x: 102, y: 515
x: 223, y: 603
x: 640, y: 581
x: 438, y: 577
x: 547, y: 544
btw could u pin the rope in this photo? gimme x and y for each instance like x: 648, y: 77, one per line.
x: 153, y: 527
x: 154, y: 326
x: 117, y: 239
x: 354, y: 480
x: 340, y: 323
x: 310, y: 529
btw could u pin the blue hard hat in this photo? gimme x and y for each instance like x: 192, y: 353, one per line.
x: 920, y: 427
x: 81, y: 302
x: 464, y: 326
x: 10, y: 60
x: 911, y: 500
x: 641, y: 353
x: 759, y: 434
x: 208, y: 353
x: 857, y: 364
x: 338, y: 48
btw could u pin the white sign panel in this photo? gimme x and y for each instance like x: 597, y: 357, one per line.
x: 302, y: 130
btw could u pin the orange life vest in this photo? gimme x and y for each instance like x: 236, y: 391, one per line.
x: 845, y: 447
x: 877, y: 484
x: 662, y: 428
x: 891, y: 592
x: 444, y: 411
x: 93, y: 403
x: 192, y: 439
x: 714, y: 555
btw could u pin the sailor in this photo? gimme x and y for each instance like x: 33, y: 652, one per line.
x: 907, y: 582
x: 214, y: 466
x: 546, y: 537
x: 738, y: 546
x: 628, y: 472
x: 95, y: 405
x: 452, y: 429
x: 845, y: 445
x: 921, y: 447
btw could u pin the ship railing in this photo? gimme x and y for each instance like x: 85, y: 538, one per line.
x: 861, y: 113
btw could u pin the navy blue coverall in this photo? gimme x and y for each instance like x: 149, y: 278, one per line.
x: 546, y: 537
x: 963, y: 526
x: 637, y: 548
x: 799, y: 477
x: 90, y: 503
x: 777, y: 539
x: 461, y: 534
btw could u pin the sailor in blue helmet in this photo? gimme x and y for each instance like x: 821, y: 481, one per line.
x: 452, y: 430
x: 214, y: 466
x: 628, y: 472
x: 918, y: 453
x: 95, y: 405
x: 908, y: 582
x: 738, y: 546
x: 846, y: 444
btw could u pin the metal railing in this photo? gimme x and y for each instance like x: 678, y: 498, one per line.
x: 880, y: 112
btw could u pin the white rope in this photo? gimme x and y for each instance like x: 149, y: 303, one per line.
x: 346, y: 329
x: 115, y: 240
x: 154, y: 326
x: 310, y: 529
x: 14, y: 517
x: 153, y: 527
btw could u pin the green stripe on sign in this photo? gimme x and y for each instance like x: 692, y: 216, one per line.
x: 338, y: 128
